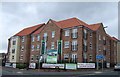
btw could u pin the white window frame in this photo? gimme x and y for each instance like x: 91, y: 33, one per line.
x: 38, y: 37
x: 90, y: 34
x: 21, y: 57
x: 90, y: 45
x: 66, y: 56
x: 52, y: 45
x: 32, y: 47
x: 23, y: 38
x: 85, y: 55
x: 74, y: 43
x: 99, y: 36
x: 22, y: 48
x: 67, y: 32
x: 66, y: 44
x: 53, y: 34
x: 74, y: 57
x: 37, y: 57
x: 33, y: 39
x: 45, y: 36
x: 38, y: 46
x: 75, y: 30
x: 12, y: 51
x: 32, y: 56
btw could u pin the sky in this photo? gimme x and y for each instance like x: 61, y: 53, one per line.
x: 15, y: 16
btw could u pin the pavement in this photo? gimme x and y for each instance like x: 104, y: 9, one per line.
x: 7, y: 72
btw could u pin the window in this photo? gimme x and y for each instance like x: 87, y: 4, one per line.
x: 38, y: 46
x: 52, y: 45
x: 90, y: 34
x: 74, y: 33
x: 99, y: 37
x: 85, y: 55
x: 38, y: 37
x: 53, y: 34
x: 45, y: 36
x: 22, y: 48
x: 66, y: 44
x: 85, y: 34
x: 13, y: 50
x: 74, y: 45
x: 90, y: 45
x: 104, y: 40
x: 66, y: 56
x: 14, y: 42
x: 90, y: 57
x: 12, y: 57
x: 32, y: 47
x: 74, y: 58
x: 37, y: 57
x: 33, y: 38
x: 85, y: 42
x: 32, y: 57
x: 21, y: 57
x: 23, y: 38
x: 67, y: 32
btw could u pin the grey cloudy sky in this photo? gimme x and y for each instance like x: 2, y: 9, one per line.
x: 17, y: 15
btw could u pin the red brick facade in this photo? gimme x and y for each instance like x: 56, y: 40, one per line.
x: 79, y: 41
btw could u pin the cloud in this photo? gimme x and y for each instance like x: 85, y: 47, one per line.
x: 17, y: 15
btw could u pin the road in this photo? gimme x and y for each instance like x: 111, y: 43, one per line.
x: 11, y: 72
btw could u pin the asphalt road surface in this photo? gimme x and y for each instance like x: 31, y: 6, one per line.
x: 10, y: 72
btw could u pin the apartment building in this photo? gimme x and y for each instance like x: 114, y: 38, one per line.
x: 14, y: 48
x: 67, y: 41
x: 118, y: 51
x: 19, y: 46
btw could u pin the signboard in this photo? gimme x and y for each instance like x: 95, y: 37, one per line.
x: 99, y: 57
x: 108, y: 65
x: 14, y: 65
x: 52, y: 56
x: 8, y: 64
x: 32, y: 65
x: 53, y: 65
x: 71, y: 66
x: 86, y: 65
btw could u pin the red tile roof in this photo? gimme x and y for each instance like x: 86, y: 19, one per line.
x: 95, y: 27
x: 28, y: 30
x: 72, y: 22
x: 39, y: 30
x: 112, y: 38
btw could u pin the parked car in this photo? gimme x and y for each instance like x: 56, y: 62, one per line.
x: 117, y: 67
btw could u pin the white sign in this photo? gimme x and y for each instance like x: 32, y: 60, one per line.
x: 108, y: 65
x: 52, y: 65
x: 8, y: 65
x: 71, y: 66
x: 86, y: 65
x: 32, y: 65
x: 14, y: 65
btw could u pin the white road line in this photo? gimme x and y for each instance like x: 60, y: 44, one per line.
x: 97, y: 72
x: 19, y: 72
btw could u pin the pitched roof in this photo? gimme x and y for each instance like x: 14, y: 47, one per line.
x: 112, y: 38
x: 72, y: 22
x: 95, y: 27
x: 39, y: 30
x: 28, y: 30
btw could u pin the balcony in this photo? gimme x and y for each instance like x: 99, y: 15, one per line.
x: 74, y: 35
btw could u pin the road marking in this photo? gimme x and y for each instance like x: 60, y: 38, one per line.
x: 90, y: 74
x: 19, y: 72
x: 97, y: 72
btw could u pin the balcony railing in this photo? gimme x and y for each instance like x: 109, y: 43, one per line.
x: 74, y: 35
